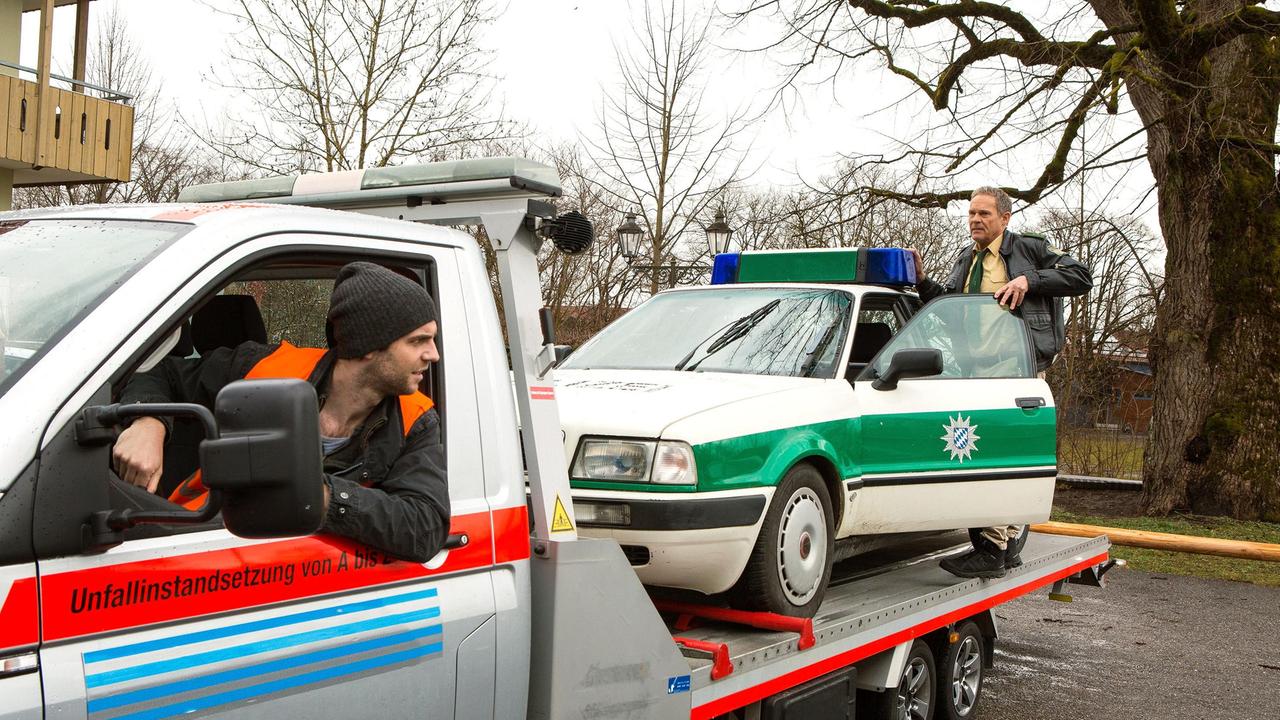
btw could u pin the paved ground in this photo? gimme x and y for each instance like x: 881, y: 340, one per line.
x: 1146, y: 646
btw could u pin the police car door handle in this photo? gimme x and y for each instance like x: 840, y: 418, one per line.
x: 1030, y: 403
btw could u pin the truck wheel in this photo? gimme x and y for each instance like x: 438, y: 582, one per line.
x: 961, y: 684
x: 791, y: 563
x: 913, y: 698
x: 975, y: 536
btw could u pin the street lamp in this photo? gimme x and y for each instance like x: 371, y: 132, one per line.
x: 630, y: 234
x: 718, y: 234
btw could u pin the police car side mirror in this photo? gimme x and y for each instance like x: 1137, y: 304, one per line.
x: 909, y: 363
x: 266, y: 460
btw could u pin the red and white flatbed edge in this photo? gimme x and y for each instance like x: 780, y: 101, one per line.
x: 865, y: 616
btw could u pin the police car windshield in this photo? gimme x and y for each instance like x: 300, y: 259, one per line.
x: 53, y: 272
x: 761, y: 331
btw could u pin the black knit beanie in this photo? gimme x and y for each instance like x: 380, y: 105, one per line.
x: 372, y: 307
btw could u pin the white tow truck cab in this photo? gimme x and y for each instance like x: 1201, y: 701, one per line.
x: 117, y: 604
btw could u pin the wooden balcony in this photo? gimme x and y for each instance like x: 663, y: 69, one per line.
x: 83, y: 138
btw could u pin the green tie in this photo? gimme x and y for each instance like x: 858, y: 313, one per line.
x: 975, y: 275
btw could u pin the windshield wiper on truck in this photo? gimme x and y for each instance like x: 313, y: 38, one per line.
x: 736, y: 330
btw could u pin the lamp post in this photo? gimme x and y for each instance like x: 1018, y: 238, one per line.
x: 630, y: 234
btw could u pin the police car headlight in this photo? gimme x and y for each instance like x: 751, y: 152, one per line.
x: 673, y: 464
x: 623, y: 460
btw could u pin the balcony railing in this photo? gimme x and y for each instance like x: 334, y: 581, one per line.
x: 85, y: 139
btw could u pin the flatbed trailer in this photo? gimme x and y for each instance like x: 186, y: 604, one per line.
x: 865, y: 629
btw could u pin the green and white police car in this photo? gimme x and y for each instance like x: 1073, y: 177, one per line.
x: 738, y: 436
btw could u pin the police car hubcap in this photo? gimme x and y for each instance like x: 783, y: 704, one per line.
x: 802, y: 542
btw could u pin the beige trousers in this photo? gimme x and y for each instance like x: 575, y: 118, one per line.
x: 1001, y: 536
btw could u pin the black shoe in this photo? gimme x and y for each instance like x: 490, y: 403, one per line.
x: 984, y: 561
x: 1012, y: 558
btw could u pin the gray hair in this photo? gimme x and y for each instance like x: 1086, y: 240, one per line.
x: 1004, y: 203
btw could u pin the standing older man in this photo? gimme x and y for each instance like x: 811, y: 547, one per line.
x: 384, y: 482
x: 1029, y: 277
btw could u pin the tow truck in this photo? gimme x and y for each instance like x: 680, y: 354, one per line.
x: 116, y: 604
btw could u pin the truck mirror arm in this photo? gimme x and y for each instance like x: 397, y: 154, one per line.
x: 97, y: 426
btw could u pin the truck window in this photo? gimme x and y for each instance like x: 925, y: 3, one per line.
x: 291, y: 309
x: 284, y: 301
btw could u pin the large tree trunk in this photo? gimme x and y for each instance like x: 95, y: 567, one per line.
x: 1214, y: 445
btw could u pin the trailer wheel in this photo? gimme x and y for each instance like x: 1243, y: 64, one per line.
x: 913, y: 698
x: 791, y: 564
x: 961, y: 685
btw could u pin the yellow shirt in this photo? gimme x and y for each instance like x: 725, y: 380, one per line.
x: 994, y: 273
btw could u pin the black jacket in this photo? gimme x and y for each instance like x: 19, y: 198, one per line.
x: 1051, y: 275
x: 404, y: 510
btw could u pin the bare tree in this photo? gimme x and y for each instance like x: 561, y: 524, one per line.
x: 1203, y: 81
x: 660, y: 151
x: 345, y: 84
x: 164, y: 161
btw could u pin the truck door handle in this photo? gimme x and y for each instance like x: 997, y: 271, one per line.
x: 1030, y: 403
x: 456, y: 540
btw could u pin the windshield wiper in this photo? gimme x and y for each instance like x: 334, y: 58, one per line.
x: 811, y: 363
x: 736, y: 330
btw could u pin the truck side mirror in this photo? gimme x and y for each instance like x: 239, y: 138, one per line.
x: 909, y: 363
x: 267, y: 460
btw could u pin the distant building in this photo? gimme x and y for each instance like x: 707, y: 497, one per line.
x: 55, y: 129
x: 1129, y: 407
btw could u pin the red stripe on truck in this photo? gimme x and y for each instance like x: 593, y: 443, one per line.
x: 19, y: 625
x: 720, y: 706
x: 131, y: 594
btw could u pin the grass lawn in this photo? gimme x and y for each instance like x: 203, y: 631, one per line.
x: 1102, y: 453
x: 1207, y: 566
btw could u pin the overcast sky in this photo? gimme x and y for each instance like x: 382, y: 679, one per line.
x: 554, y: 57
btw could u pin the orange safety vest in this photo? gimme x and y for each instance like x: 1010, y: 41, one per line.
x: 292, y: 362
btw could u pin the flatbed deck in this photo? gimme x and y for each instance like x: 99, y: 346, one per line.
x: 868, y: 610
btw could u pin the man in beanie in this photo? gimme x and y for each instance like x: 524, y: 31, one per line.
x: 384, y: 479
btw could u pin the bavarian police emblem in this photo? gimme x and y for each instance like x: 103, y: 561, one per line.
x: 961, y: 438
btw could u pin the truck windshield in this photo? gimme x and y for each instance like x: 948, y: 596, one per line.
x: 53, y: 272
x: 760, y: 331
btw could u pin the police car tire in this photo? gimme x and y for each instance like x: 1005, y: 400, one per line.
x: 760, y: 587
x: 975, y: 536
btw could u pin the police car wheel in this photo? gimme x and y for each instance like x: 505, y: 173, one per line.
x: 791, y: 564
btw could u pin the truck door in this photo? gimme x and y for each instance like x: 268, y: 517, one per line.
x: 971, y: 447
x: 19, y: 611
x: 175, y: 621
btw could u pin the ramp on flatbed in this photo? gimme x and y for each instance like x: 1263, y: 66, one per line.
x: 873, y: 609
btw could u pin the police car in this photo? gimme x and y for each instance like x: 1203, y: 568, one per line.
x: 743, y: 435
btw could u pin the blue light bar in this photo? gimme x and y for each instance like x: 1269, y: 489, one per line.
x: 889, y: 266
x: 725, y: 269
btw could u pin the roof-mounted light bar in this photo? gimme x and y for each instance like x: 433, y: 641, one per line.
x: 875, y: 266
x: 411, y: 185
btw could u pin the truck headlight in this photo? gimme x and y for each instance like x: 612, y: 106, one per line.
x: 624, y: 460
x: 673, y: 464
